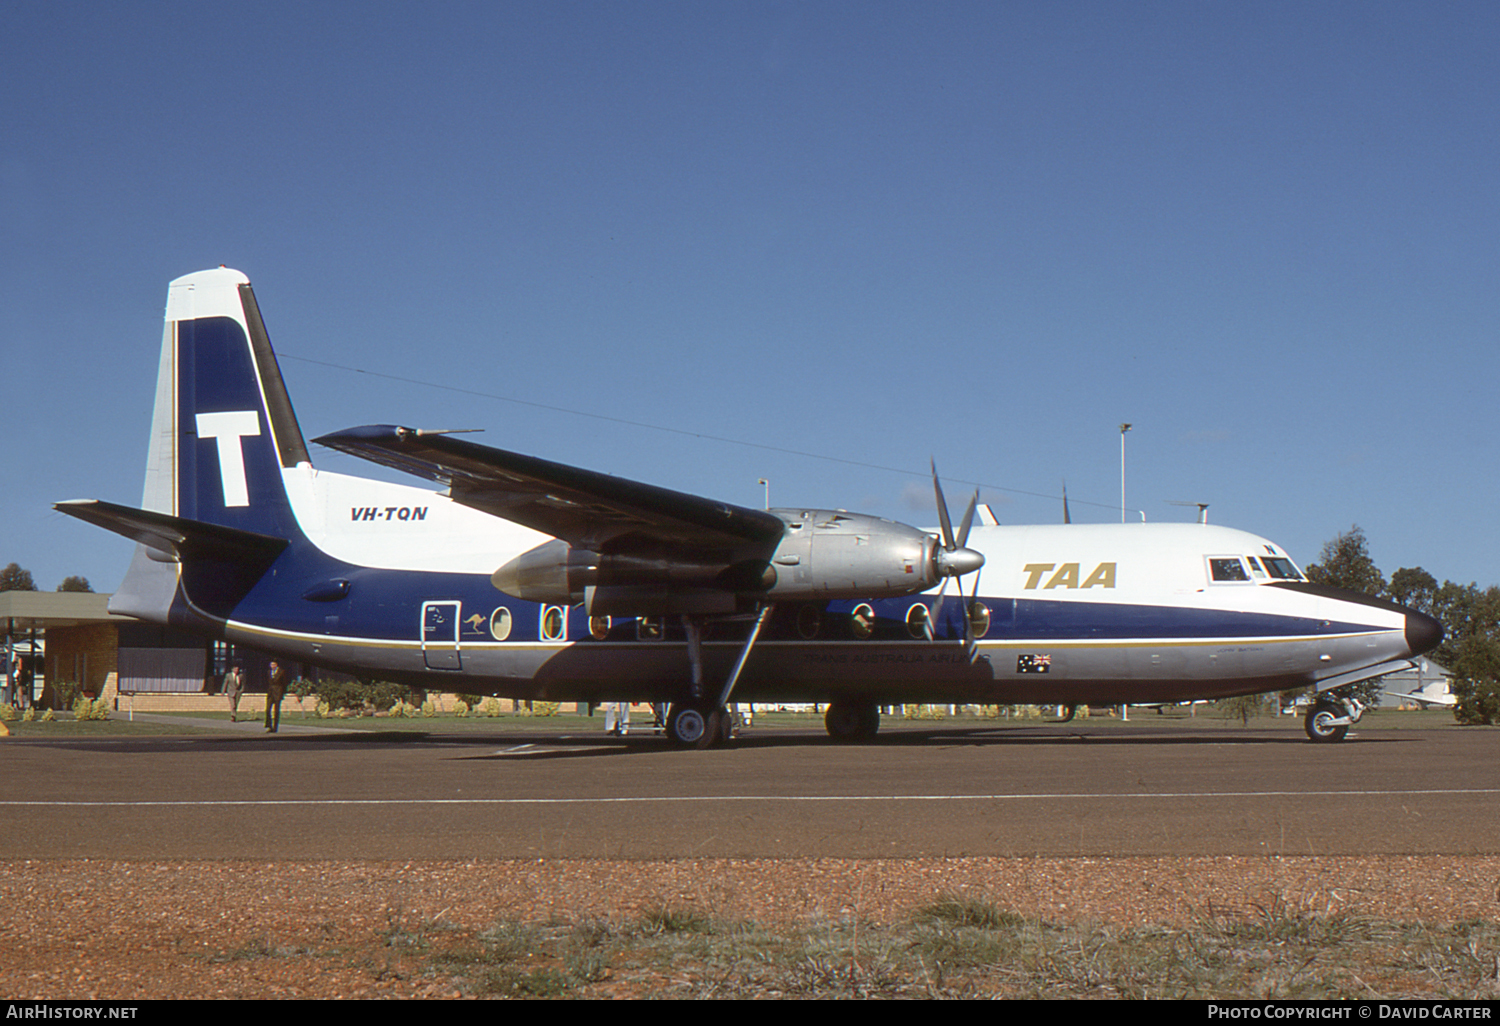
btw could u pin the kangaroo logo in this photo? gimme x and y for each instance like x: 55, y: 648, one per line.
x: 227, y: 429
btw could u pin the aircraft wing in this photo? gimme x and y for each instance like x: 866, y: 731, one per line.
x: 583, y: 507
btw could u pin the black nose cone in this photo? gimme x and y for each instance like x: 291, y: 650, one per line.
x: 1423, y: 633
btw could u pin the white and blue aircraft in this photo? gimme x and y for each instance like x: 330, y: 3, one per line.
x: 536, y: 580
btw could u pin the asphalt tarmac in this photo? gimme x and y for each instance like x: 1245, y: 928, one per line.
x: 1048, y: 789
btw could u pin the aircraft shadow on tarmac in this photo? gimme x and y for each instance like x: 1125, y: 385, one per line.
x: 532, y: 744
x: 571, y: 746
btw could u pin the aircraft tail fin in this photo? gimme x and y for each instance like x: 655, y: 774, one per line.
x: 223, y: 436
x: 223, y: 427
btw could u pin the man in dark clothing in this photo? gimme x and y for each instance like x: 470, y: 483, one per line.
x: 275, y: 692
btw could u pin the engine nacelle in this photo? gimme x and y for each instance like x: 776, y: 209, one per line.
x: 822, y: 554
x: 553, y: 572
x: 831, y: 554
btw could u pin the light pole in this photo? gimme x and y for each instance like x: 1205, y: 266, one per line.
x: 1124, y: 707
x: 767, y: 485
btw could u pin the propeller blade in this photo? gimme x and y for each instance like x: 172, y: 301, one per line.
x: 954, y: 559
x: 968, y: 521
x: 942, y: 505
x: 937, y: 608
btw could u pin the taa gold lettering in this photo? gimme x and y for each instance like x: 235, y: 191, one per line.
x: 1067, y: 576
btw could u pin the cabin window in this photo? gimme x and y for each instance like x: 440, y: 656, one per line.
x: 809, y: 622
x: 1284, y: 569
x: 649, y: 628
x: 862, y: 621
x: 554, y: 623
x: 916, y: 621
x: 500, y: 622
x: 599, y: 627
x: 979, y: 619
x: 1227, y: 568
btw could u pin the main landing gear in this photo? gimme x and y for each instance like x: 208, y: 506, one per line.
x: 1330, y: 717
x: 698, y: 726
x: 698, y: 721
x: 852, y: 721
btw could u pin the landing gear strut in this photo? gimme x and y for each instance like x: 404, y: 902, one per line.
x: 701, y: 721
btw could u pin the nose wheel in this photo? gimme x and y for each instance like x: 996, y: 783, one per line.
x: 1328, y: 721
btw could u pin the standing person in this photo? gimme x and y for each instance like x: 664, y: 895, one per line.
x: 234, y: 687
x: 617, y: 718
x: 21, y: 680
x: 275, y: 692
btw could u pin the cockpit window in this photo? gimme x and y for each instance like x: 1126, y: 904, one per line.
x: 1227, y: 568
x: 1255, y: 566
x: 1284, y: 569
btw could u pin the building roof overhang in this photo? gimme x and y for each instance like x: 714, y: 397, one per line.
x: 38, y: 610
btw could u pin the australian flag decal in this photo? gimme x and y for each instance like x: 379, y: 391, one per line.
x: 1033, y: 664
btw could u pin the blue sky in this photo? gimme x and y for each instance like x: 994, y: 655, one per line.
x: 819, y: 243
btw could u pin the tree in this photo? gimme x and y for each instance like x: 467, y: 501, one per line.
x: 1244, y: 708
x: 1476, y: 666
x: 1413, y: 587
x: 75, y: 584
x: 13, y: 578
x: 1471, y: 638
x: 1345, y: 563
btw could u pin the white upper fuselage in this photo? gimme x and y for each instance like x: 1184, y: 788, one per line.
x: 404, y: 528
x: 400, y: 527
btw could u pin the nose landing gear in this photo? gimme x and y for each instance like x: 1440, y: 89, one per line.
x: 1330, y: 718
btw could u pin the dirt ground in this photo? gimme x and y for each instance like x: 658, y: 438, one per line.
x: 151, y: 930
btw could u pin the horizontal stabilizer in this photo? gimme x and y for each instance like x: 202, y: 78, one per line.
x: 175, y: 536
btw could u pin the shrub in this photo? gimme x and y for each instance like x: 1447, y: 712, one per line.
x: 1243, y: 708
x: 91, y: 709
x: 67, y: 693
x: 355, y: 696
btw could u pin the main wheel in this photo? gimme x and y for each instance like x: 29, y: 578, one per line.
x: 852, y: 721
x: 694, y: 727
x: 1320, y: 723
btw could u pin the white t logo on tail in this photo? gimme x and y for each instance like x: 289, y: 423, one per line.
x: 227, y: 429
